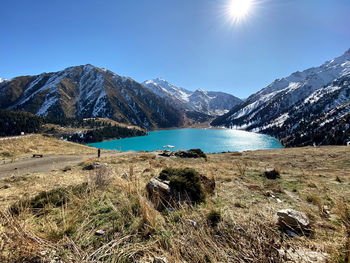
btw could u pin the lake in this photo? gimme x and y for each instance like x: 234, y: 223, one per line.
x: 208, y: 140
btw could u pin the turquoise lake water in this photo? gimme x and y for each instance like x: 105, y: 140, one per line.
x: 209, y: 140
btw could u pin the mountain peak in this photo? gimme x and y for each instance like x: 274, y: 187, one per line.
x: 160, y: 79
x: 201, y: 91
x: 198, y: 100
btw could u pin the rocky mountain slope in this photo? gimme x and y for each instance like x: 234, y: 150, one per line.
x: 301, y: 108
x: 206, y: 102
x: 88, y: 91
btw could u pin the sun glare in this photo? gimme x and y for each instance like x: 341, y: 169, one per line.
x: 239, y: 9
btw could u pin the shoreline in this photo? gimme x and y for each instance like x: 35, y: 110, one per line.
x: 209, y: 141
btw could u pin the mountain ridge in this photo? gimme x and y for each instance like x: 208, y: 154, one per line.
x: 88, y: 91
x: 206, y: 102
x: 279, y: 108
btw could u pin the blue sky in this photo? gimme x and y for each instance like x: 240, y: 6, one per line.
x: 190, y: 43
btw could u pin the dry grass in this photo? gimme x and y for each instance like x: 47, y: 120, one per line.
x: 39, y: 144
x: 236, y: 224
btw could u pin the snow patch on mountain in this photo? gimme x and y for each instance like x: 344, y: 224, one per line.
x: 50, y: 100
x: 286, y: 92
x: 298, y: 106
x: 31, y: 91
x: 162, y: 88
x: 91, y: 88
x: 100, y: 105
x: 207, y: 102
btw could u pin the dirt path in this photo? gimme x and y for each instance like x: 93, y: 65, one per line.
x: 39, y: 165
x: 13, y: 137
x: 47, y: 163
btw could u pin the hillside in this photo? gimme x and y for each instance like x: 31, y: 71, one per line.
x: 13, y: 123
x: 297, y: 109
x: 85, y: 92
x: 236, y: 224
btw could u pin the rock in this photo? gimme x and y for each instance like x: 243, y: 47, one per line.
x: 95, y: 166
x: 99, y: 232
x: 160, y: 260
x: 174, y: 187
x: 193, y: 223
x: 303, y: 256
x: 6, y: 186
x: 293, y: 220
x: 158, y: 192
x: 291, y: 233
x: 167, y: 153
x: 67, y: 168
x: 193, y: 153
x: 271, y: 174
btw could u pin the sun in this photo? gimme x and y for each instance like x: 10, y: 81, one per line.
x: 239, y: 9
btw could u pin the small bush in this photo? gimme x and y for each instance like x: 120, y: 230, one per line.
x: 192, y: 153
x: 213, y: 218
x: 101, y: 177
x: 7, y: 154
x: 241, y: 167
x: 199, y: 152
x: 56, y: 197
x: 186, y: 182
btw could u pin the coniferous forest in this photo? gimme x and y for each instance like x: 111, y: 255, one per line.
x: 13, y: 123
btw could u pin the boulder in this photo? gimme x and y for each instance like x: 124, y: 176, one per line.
x: 166, y: 153
x: 158, y: 192
x: 296, y: 221
x: 271, y: 174
x: 193, y: 153
x: 303, y: 256
x: 174, y: 187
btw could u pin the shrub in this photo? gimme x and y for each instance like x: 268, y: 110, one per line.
x: 192, y: 153
x: 213, y: 218
x: 185, y: 182
x: 101, y: 177
x: 199, y: 152
x: 56, y: 197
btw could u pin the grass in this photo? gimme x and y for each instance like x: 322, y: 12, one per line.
x: 236, y: 224
x: 39, y: 144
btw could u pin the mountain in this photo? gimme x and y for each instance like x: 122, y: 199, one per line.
x: 2, y: 80
x: 87, y: 91
x: 297, y: 109
x: 205, y: 102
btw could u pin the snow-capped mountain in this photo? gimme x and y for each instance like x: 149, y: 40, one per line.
x: 2, y: 80
x: 88, y: 91
x: 297, y: 105
x: 207, y: 102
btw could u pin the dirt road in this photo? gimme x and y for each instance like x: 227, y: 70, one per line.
x: 47, y: 163
x: 39, y: 165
